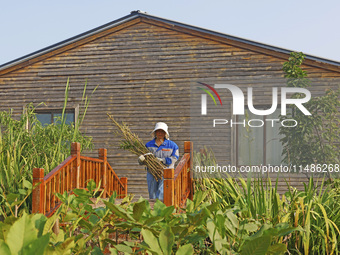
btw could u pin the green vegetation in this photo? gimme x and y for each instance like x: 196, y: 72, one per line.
x: 201, y: 228
x: 226, y: 216
x: 301, y: 222
x: 317, y: 137
x: 313, y: 212
x: 26, y: 144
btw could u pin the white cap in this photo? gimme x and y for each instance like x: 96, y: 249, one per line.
x: 163, y: 126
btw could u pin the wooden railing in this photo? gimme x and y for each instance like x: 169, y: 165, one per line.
x: 74, y: 173
x: 178, y: 183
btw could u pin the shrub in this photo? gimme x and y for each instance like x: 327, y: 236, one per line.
x: 26, y: 144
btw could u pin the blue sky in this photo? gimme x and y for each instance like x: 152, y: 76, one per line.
x: 299, y: 25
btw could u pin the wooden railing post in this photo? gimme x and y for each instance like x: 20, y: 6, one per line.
x: 188, y: 148
x: 38, y: 191
x: 75, y: 151
x: 102, y: 154
x: 124, y: 181
x: 169, y: 186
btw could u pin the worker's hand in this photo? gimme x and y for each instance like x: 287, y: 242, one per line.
x: 141, y: 159
x: 162, y: 160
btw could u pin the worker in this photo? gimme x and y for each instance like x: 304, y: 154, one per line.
x: 166, y: 151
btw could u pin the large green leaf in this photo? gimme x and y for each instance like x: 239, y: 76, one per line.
x: 166, y: 240
x: 251, y: 227
x: 91, y: 186
x: 94, y: 219
x: 58, y: 238
x: 211, y: 229
x: 138, y: 209
x: 4, y: 249
x: 153, y: 220
x: 233, y: 219
x: 260, y: 232
x: 215, y: 237
x: 113, y: 251
x: 21, y: 233
x: 189, y: 205
x: 101, y: 211
x: 50, y: 223
x: 4, y: 230
x: 185, y: 250
x: 258, y: 246
x: 199, y: 198
x: 158, y: 208
x: 96, y: 251
x: 40, y: 222
x: 230, y: 227
x: 277, y: 249
x: 27, y: 184
x: 167, y: 211
x: 151, y: 240
x: 70, y: 216
x: 124, y: 248
x: 119, y: 211
x: 37, y: 247
x: 83, y: 192
x: 67, y: 245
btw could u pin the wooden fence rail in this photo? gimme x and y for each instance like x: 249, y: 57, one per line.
x: 178, y: 183
x: 77, y: 170
x: 74, y: 173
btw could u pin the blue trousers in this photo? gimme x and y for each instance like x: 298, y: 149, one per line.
x: 155, y: 187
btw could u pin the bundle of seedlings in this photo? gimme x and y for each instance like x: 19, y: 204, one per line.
x: 131, y: 142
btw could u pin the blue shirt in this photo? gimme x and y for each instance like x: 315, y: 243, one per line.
x: 168, y: 150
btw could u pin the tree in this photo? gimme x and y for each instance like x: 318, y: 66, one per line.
x: 316, y: 138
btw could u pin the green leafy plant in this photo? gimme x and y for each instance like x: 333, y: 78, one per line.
x: 312, y: 212
x: 26, y: 144
x: 24, y: 235
x: 87, y: 226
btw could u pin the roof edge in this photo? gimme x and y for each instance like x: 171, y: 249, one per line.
x: 240, y: 39
x: 137, y: 14
x: 133, y: 15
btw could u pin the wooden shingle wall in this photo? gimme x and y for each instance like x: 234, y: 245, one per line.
x: 144, y: 71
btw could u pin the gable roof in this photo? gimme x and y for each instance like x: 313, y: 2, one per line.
x: 138, y: 16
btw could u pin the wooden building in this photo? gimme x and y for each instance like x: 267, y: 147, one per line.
x: 143, y: 66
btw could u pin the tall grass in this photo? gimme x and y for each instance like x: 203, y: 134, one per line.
x: 26, y: 144
x: 314, y: 210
